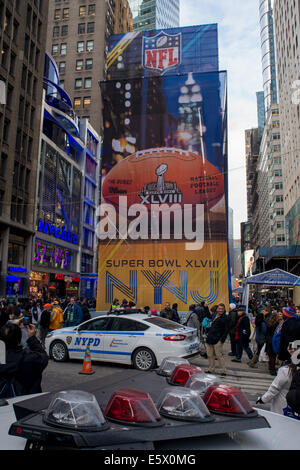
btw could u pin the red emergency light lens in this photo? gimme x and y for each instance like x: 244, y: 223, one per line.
x: 133, y: 407
x: 182, y: 373
x: 175, y: 338
x: 226, y: 399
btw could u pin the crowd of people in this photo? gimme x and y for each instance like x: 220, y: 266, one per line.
x: 273, y: 327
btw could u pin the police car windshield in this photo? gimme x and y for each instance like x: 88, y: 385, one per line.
x: 163, y: 323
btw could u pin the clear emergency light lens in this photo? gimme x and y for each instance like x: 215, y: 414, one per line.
x: 226, y: 399
x: 133, y: 407
x: 77, y: 410
x: 199, y: 383
x: 168, y: 365
x: 183, y: 404
x: 182, y: 373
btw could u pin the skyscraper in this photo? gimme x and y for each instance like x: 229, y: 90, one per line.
x: 287, y: 30
x: 23, y: 27
x: 268, y: 53
x: 154, y: 14
x: 76, y: 38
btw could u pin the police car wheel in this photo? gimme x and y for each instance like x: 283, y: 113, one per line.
x: 143, y: 359
x: 59, y: 351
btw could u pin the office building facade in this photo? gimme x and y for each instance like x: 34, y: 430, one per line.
x: 76, y: 38
x: 22, y: 44
x: 287, y: 33
x: 154, y: 14
x: 64, y: 249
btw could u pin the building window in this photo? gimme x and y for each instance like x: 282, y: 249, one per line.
x: 88, y: 82
x: 81, y: 28
x: 80, y: 46
x: 57, y: 12
x: 82, y: 11
x: 55, y: 31
x: 92, y: 9
x: 79, y: 64
x: 89, y: 64
x: 90, y: 27
x: 77, y: 102
x: 64, y: 30
x: 55, y: 49
x: 87, y: 101
x: 78, y: 83
x: 62, y: 67
x: 90, y: 45
x: 63, y: 48
x: 66, y: 13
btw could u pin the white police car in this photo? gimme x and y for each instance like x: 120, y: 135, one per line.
x: 128, y: 338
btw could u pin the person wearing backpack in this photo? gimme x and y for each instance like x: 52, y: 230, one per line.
x: 22, y: 373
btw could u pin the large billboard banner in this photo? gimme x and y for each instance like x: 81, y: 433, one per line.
x: 162, y: 228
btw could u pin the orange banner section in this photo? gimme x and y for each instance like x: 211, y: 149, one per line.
x: 153, y: 273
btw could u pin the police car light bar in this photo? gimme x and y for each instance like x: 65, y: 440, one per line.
x: 227, y: 400
x: 182, y: 373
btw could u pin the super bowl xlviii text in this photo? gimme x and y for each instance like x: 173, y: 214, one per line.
x: 151, y: 459
x: 161, y: 263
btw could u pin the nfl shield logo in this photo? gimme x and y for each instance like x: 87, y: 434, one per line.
x: 162, y: 52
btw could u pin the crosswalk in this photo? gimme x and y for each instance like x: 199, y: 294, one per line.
x: 253, y: 382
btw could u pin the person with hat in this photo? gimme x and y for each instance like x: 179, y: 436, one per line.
x: 56, y: 316
x: 44, y: 323
x: 290, y: 331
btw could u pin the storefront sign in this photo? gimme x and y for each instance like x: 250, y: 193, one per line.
x: 59, y: 277
x: 75, y: 279
x: 51, y: 255
x: 57, y: 232
x: 17, y: 269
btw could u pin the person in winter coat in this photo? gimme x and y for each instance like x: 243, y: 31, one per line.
x: 85, y: 310
x: 276, y: 395
x: 44, y: 323
x: 22, y: 373
x: 216, y: 337
x: 242, y: 336
x: 290, y: 331
x: 261, y: 320
x: 232, y: 322
x: 169, y: 313
x: 192, y: 319
x: 293, y: 395
x: 271, y: 328
x: 73, y: 314
x: 56, y: 317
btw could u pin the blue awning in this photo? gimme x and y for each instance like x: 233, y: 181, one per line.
x: 275, y: 277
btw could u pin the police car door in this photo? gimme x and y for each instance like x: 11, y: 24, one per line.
x: 92, y: 334
x: 122, y: 339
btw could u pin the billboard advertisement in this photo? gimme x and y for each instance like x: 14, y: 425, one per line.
x: 163, y: 216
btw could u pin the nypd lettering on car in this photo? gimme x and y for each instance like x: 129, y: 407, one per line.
x: 128, y: 338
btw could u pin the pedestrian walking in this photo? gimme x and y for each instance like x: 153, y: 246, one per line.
x: 232, y: 323
x: 261, y: 320
x: 242, y: 336
x: 271, y: 328
x: 56, y: 316
x: 276, y: 394
x: 215, y: 340
x: 44, y: 323
x: 290, y: 331
x: 73, y: 314
x: 192, y: 319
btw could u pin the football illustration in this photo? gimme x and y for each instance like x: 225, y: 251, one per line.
x: 164, y: 176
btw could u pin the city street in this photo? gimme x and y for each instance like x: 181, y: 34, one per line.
x: 253, y: 382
